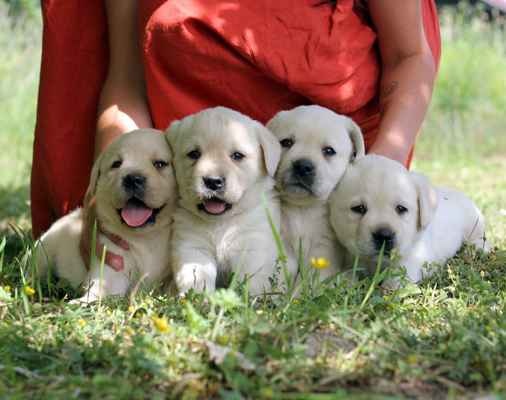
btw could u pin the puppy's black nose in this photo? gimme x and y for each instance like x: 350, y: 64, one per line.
x: 303, y: 168
x: 386, y: 236
x: 214, y: 182
x: 134, y: 184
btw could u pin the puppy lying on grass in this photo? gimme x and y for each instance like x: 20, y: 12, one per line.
x: 380, y: 204
x: 317, y: 147
x: 224, y: 164
x: 135, y: 191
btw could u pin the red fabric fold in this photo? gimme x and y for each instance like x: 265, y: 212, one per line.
x: 73, y: 68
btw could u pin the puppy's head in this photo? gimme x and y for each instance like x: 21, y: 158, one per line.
x: 223, y: 161
x: 134, y: 184
x: 317, y: 146
x: 379, y: 203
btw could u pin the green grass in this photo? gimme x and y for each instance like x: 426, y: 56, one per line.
x: 446, y: 338
x: 467, y: 119
x: 20, y: 44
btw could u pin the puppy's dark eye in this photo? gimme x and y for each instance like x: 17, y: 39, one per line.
x: 286, y: 143
x: 237, y: 156
x: 401, y: 209
x: 194, y: 154
x: 359, y: 209
x: 328, y: 151
x: 116, y: 164
x: 159, y: 164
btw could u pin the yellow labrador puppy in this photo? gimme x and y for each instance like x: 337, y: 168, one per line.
x: 224, y: 164
x: 135, y: 191
x: 317, y: 147
x: 379, y: 203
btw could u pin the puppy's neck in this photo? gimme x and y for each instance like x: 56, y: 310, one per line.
x: 138, y: 243
x: 306, y: 202
x: 308, y: 226
x: 299, y: 220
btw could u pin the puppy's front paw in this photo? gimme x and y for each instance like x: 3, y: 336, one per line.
x: 85, y: 300
x: 199, y: 277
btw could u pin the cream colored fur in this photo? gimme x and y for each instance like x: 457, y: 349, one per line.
x: 438, y: 221
x: 239, y: 240
x: 148, y: 256
x: 305, y: 222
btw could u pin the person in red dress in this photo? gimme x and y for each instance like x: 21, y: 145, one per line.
x: 110, y: 66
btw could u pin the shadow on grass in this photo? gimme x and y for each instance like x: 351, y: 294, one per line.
x: 429, y: 343
x: 77, y: 360
x: 75, y: 363
x: 14, y: 203
x: 14, y: 218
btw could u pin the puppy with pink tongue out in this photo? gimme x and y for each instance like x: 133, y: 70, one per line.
x: 224, y: 164
x: 135, y: 193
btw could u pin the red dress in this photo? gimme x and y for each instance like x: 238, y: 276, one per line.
x: 258, y: 57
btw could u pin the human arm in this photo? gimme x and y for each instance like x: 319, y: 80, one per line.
x: 122, y: 105
x: 408, y: 73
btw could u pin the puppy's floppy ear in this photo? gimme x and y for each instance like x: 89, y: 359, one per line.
x: 271, y: 148
x: 94, y: 177
x: 275, y: 122
x: 356, y: 138
x: 171, y: 134
x: 427, y: 199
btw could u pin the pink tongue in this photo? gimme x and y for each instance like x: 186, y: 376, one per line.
x: 214, y: 207
x: 135, y: 216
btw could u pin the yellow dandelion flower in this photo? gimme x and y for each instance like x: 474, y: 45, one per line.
x: 223, y: 339
x: 267, y: 393
x: 29, y: 291
x: 412, y: 359
x: 7, y: 288
x: 319, y: 263
x: 131, y: 309
x: 81, y: 322
x: 161, y: 324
